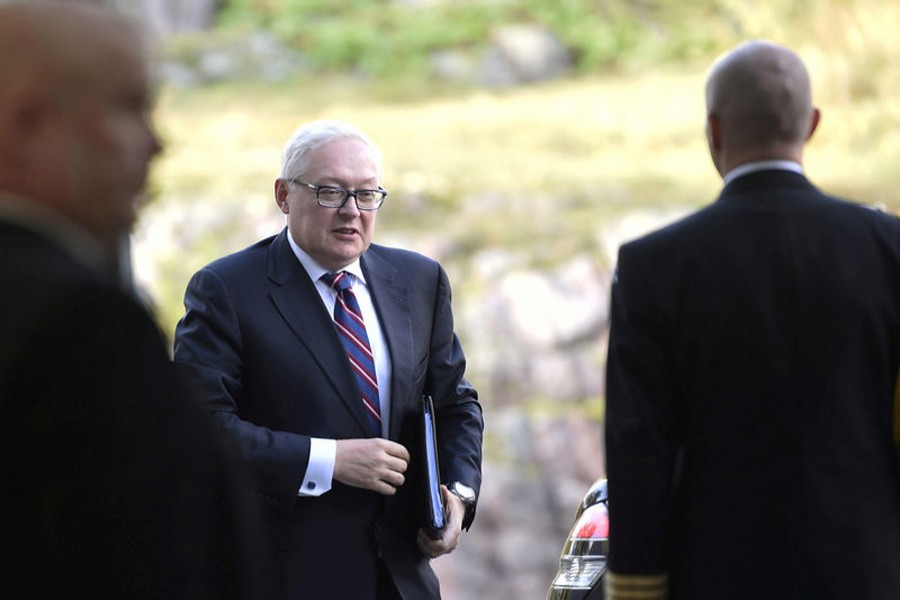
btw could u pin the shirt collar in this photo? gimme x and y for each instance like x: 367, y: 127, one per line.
x: 761, y: 165
x: 315, y: 270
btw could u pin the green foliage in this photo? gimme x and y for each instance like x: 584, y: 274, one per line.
x: 393, y: 38
x: 254, y: 14
x: 544, y: 167
x: 386, y: 37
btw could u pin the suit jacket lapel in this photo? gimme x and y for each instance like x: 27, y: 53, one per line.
x: 391, y: 300
x: 296, y: 298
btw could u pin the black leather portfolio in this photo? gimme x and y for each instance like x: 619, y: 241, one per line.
x: 435, y: 516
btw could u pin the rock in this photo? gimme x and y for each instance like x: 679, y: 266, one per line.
x: 524, y: 54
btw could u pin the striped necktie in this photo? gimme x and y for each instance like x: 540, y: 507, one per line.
x: 352, y: 329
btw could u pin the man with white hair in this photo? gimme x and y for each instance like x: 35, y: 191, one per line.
x: 314, y: 348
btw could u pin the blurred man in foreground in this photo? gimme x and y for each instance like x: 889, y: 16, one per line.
x: 753, y: 353
x: 116, y: 484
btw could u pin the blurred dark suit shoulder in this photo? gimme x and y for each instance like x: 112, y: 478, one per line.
x: 118, y: 486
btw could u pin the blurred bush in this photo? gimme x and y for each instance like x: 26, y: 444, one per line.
x: 391, y: 36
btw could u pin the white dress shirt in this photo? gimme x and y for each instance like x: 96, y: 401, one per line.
x: 761, y: 165
x: 322, y: 451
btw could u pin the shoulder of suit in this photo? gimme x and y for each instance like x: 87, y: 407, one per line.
x: 242, y: 257
x: 400, y: 256
x: 674, y: 230
x: 82, y: 301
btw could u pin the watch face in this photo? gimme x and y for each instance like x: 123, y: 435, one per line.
x: 466, y: 493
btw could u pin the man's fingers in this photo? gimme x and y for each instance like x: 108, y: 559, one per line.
x: 396, y: 450
x: 377, y: 464
x: 433, y: 548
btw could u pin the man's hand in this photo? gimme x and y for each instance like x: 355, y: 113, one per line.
x: 375, y: 464
x: 449, y: 540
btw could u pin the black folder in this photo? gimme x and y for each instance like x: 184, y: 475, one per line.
x: 435, y: 519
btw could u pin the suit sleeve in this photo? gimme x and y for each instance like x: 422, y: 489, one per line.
x: 209, y: 349
x: 897, y: 416
x: 459, y: 415
x: 640, y: 440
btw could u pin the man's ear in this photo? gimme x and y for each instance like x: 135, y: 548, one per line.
x: 713, y: 132
x: 814, y: 122
x: 281, y: 192
x: 23, y: 116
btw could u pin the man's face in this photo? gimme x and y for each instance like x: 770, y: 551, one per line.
x: 111, y: 143
x: 334, y: 237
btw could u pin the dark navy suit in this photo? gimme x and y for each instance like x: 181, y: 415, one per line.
x: 116, y: 483
x: 262, y: 347
x: 753, y: 353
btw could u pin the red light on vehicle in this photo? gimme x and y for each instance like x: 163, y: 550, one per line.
x: 593, y: 523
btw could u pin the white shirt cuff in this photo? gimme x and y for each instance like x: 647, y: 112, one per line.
x: 320, y: 469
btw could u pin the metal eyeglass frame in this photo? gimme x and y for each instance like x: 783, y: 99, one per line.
x: 347, y: 194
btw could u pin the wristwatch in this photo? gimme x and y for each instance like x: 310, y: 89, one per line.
x: 467, y: 495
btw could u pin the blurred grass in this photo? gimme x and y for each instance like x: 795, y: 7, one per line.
x: 541, y: 167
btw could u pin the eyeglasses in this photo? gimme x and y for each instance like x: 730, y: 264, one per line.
x: 335, y: 197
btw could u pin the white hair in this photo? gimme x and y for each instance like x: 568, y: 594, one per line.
x: 313, y: 135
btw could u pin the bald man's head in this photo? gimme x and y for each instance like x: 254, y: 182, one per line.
x: 57, y: 45
x: 74, y: 94
x: 759, y: 94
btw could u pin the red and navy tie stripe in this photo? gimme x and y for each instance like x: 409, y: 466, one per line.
x: 352, y: 329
